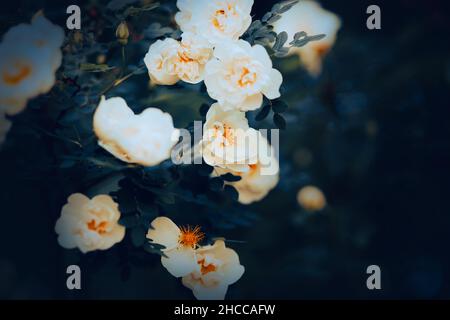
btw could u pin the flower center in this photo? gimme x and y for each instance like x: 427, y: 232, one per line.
x: 19, y: 73
x: 226, y: 132
x: 246, y: 78
x: 218, y: 19
x: 99, y: 228
x: 190, y: 237
x: 206, y: 269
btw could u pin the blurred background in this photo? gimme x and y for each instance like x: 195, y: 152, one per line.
x: 371, y: 132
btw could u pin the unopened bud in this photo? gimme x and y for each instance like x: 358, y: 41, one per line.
x: 122, y: 33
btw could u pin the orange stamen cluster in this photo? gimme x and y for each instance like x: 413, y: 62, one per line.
x: 190, y: 237
x: 206, y: 269
x: 100, y: 228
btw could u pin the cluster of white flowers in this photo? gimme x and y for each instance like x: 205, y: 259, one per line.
x: 29, y: 56
x: 235, y: 74
x: 206, y: 270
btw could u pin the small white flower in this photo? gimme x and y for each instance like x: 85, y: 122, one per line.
x: 89, y: 224
x: 259, y: 179
x: 145, y: 139
x: 5, y: 125
x: 159, y: 61
x: 217, y: 268
x: 29, y: 56
x: 215, y: 20
x: 179, y: 245
x: 169, y: 61
x: 228, y: 141
x: 310, y: 17
x: 240, y: 75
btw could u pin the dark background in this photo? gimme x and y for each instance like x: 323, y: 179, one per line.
x: 375, y: 129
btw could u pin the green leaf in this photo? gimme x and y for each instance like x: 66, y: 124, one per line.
x: 230, y: 177
x: 279, y: 106
x: 204, y: 170
x: 231, y: 192
x: 130, y: 221
x: 216, y: 184
x: 279, y: 121
x: 263, y: 113
x: 280, y: 41
x: 204, y: 109
x: 138, y: 236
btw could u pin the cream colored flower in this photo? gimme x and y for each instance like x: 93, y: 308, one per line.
x: 215, y: 20
x: 217, y: 268
x: 89, y: 224
x: 180, y: 245
x: 145, y: 139
x: 240, y: 75
x: 310, y: 17
x: 259, y: 179
x: 159, y: 61
x: 228, y: 141
x: 193, y: 54
x: 29, y: 56
x: 5, y: 125
x: 169, y: 61
x: 311, y: 198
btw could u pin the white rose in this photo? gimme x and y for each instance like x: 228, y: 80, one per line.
x: 193, y: 55
x: 240, y: 75
x: 215, y: 20
x: 217, y: 268
x: 228, y: 141
x: 89, y: 224
x: 259, y: 179
x: 310, y: 17
x: 145, y: 139
x: 169, y: 61
x: 29, y: 57
x: 160, y: 61
x: 179, y: 245
x: 5, y: 125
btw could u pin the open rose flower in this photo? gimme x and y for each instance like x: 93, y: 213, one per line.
x: 217, y: 268
x: 259, y: 179
x: 310, y: 17
x: 159, y: 61
x: 228, y: 141
x: 5, y: 125
x: 29, y: 56
x: 239, y: 75
x: 179, y: 245
x: 145, y: 139
x: 89, y: 224
x: 215, y: 20
x: 169, y: 61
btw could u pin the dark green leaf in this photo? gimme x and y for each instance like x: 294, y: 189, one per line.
x: 204, y: 109
x: 130, y: 221
x: 280, y: 41
x: 138, y: 236
x: 279, y: 121
x: 231, y: 192
x: 279, y: 106
x: 263, y: 113
x: 230, y: 177
x: 216, y: 184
